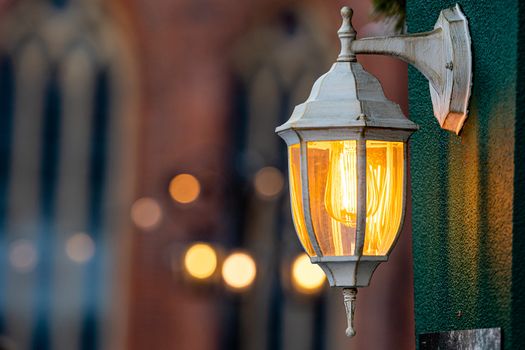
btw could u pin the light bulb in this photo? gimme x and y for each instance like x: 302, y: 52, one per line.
x: 341, y: 186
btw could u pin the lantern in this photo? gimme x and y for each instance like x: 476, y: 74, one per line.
x: 347, y: 152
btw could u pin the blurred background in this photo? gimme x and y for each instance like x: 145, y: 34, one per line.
x: 143, y: 192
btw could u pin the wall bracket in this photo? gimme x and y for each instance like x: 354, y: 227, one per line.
x: 442, y: 55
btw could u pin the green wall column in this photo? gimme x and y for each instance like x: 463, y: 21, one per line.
x: 468, y: 191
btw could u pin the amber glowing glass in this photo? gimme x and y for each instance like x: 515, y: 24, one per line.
x: 341, y: 186
x: 296, y: 197
x: 385, y: 161
x: 333, y: 232
x: 332, y: 185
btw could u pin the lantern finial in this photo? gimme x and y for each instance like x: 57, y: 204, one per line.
x: 349, y: 297
x: 346, y: 34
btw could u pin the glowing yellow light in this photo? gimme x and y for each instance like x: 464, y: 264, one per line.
x: 200, y: 261
x: 386, y: 161
x: 341, y: 187
x: 307, y: 278
x: 80, y: 248
x: 294, y: 170
x: 239, y: 270
x: 269, y: 182
x: 332, y: 189
x: 146, y: 213
x: 184, y: 188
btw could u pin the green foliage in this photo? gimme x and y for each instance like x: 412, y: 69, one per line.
x: 392, y: 9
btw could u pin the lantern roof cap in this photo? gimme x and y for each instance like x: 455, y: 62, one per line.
x: 347, y: 96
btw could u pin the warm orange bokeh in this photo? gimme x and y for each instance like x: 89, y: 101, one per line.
x: 184, y: 188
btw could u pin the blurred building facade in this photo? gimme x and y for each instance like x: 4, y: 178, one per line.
x: 102, y: 103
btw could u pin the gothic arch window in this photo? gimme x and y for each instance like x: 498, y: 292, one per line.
x: 276, y: 67
x: 67, y: 101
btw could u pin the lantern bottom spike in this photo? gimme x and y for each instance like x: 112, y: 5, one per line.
x: 349, y: 297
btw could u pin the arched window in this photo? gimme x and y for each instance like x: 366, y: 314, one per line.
x: 277, y: 64
x: 66, y: 155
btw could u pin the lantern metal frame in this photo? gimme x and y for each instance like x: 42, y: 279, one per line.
x: 348, y: 271
x: 348, y: 103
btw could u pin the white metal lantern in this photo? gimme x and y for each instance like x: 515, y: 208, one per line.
x: 347, y: 151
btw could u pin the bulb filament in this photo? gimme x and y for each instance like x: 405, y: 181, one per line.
x: 341, y: 187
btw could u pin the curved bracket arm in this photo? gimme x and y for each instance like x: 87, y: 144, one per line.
x: 420, y: 50
x: 442, y: 55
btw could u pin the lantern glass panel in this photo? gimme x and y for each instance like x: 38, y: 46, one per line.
x: 332, y: 175
x: 332, y: 184
x: 296, y: 197
x: 385, y: 189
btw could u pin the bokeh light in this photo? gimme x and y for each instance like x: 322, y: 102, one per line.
x: 146, y: 213
x: 184, y: 188
x: 200, y: 261
x: 23, y: 255
x: 307, y: 278
x: 80, y: 247
x: 269, y: 182
x: 239, y: 271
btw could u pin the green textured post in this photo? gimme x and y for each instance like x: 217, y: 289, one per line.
x: 468, y: 191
